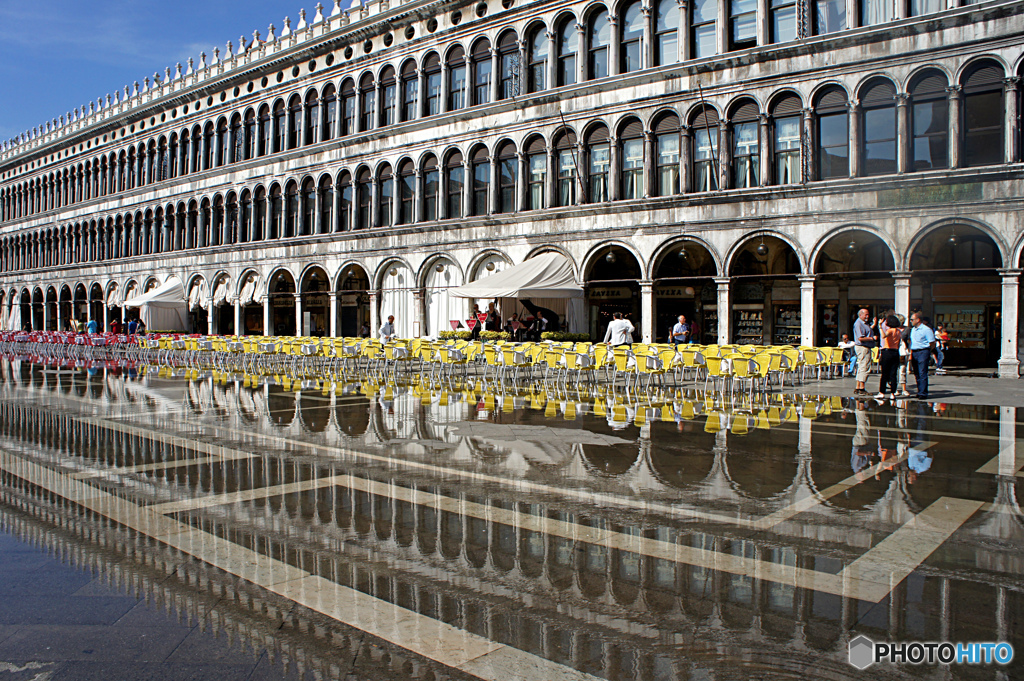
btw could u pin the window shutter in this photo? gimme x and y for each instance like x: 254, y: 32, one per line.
x: 708, y: 117
x: 787, y: 106
x: 832, y: 100
x: 598, y: 135
x: 667, y: 124
x: 536, y: 146
x: 633, y: 130
x: 745, y: 113
x: 879, y: 94
x: 987, y: 77
x: 930, y: 85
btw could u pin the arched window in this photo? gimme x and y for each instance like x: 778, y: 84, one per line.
x: 223, y: 155
x: 984, y: 112
x: 538, y: 60
x: 599, y: 159
x: 231, y: 233
x: 929, y: 121
x: 746, y: 158
x: 666, y: 32
x: 782, y: 23
x: 481, y: 168
x: 348, y: 107
x: 237, y: 139
x: 245, y: 221
x: 874, y: 12
x: 705, y: 150
x: 742, y: 24
x: 366, y: 95
x: 537, y: 169
x: 364, y: 198
x: 829, y: 16
x: 568, y: 161
x: 702, y: 28
x: 786, y: 140
x: 326, y: 204
x: 666, y: 132
x: 508, y: 175
x: 148, y: 176
x: 197, y: 149
x: 833, y: 134
x: 481, y: 64
x: 265, y: 144
x: 599, y: 38
x: 330, y: 115
x: 878, y: 121
x: 140, y: 167
x: 344, y: 201
x: 631, y: 52
x: 432, y: 69
x: 631, y: 143
x: 406, y: 193
x: 249, y: 144
x: 508, y: 63
x: 291, y: 210
x: 568, y: 45
x: 387, y: 196
x: 389, y: 101
x: 456, y: 79
x: 410, y: 88
x: 163, y: 163
x: 312, y: 118
x: 280, y: 127
x: 276, y: 212
x: 431, y: 188
x: 308, y: 214
x: 129, y: 172
x: 260, y: 204
x: 454, y: 185
x: 294, y: 122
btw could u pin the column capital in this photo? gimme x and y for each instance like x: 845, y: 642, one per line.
x: 722, y: 281
x: 646, y: 285
x: 1012, y: 82
x: 1009, y: 273
x: 902, y: 99
x: 902, y: 276
x: 954, y: 90
x: 806, y: 278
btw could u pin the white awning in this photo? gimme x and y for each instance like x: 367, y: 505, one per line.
x: 549, y: 275
x: 162, y: 308
x: 248, y: 294
x: 221, y: 291
x: 197, y: 295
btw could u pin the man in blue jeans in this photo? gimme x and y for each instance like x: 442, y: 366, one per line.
x: 922, y: 344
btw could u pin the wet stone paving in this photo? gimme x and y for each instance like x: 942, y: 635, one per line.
x: 159, y: 524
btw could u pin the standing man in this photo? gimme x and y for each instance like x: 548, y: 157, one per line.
x: 92, y: 326
x: 864, y: 341
x: 922, y: 344
x: 620, y: 331
x: 680, y: 334
x: 387, y: 329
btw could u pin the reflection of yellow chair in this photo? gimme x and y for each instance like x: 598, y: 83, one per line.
x: 762, y: 421
x: 619, y: 414
x: 774, y: 418
x: 740, y: 424
x: 551, y: 411
x: 713, y: 423
x: 570, y: 411
x: 600, y: 408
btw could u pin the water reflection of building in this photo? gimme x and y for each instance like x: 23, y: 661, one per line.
x: 470, y: 554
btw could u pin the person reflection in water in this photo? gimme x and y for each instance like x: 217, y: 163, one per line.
x: 861, y: 452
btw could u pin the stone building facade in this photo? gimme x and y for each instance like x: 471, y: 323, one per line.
x: 763, y: 167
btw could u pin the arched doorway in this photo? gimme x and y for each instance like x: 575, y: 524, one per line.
x: 65, y: 307
x: 612, y: 283
x: 81, y: 306
x: 113, y: 309
x: 955, y: 267
x: 198, y: 301
x: 51, y: 309
x: 315, y: 302
x: 353, y: 294
x: 223, y: 310
x: 25, y: 310
x: 252, y: 309
x: 96, y: 305
x: 854, y: 270
x: 38, y: 310
x: 441, y: 275
x: 684, y: 285
x: 396, y: 297
x: 281, y: 299
x: 764, y: 295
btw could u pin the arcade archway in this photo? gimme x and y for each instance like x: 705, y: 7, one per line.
x: 684, y: 285
x: 853, y: 270
x: 281, y: 299
x: 315, y: 304
x: 612, y: 283
x: 764, y: 293
x: 353, y: 295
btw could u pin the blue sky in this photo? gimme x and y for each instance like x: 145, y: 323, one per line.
x: 60, y: 55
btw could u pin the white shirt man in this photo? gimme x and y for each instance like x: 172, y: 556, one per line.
x: 387, y: 330
x: 620, y: 331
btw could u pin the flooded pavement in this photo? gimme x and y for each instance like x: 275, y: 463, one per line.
x: 365, y: 531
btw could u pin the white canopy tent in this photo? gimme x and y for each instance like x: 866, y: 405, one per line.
x: 163, y: 308
x: 547, y: 280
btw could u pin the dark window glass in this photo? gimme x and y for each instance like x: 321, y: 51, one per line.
x: 830, y: 16
x: 538, y: 61
x: 983, y: 128
x: 833, y: 145
x: 454, y: 191
x: 600, y: 38
x: 568, y: 43
x: 879, y: 140
x: 783, y: 20
x: 930, y: 120
x: 742, y: 24
x: 632, y: 37
x: 481, y: 186
x: 430, y: 192
x: 702, y: 27
x: 666, y: 33
x: 507, y: 184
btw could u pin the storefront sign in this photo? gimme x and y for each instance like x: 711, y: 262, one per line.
x: 609, y: 293
x: 349, y: 299
x: 317, y: 300
x: 674, y: 292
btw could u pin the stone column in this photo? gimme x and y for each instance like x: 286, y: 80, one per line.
x: 46, y: 315
x: 298, y: 314
x: 374, y: 202
x: 418, y: 312
x: 267, y: 320
x: 467, y: 188
x: 807, y: 309
x: 956, y: 98
x: 581, y: 53
x: 615, y: 169
x: 495, y: 84
x: 650, y: 154
x: 522, y: 180
x: 647, y: 311
x: 551, y: 178
x: 855, y: 137
x: 647, y: 48
x: 238, y: 317
x: 467, y: 83
x: 901, y: 286
x: 1011, y: 96
x: 443, y: 104
x: 374, y: 313
x: 421, y: 93
x: 722, y: 27
x: 492, y: 186
x: 724, y: 316
x: 763, y: 33
x: 809, y: 159
x: 551, y: 66
x: 396, y: 197
x: 1009, y: 365
x: 764, y: 150
x: 683, y: 30
x: 317, y: 226
x: 614, y: 49
x: 685, y: 159
x: 903, y: 133
x: 333, y: 324
x: 417, y: 196
x: 852, y: 14
x: 106, y: 317
x: 724, y: 154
